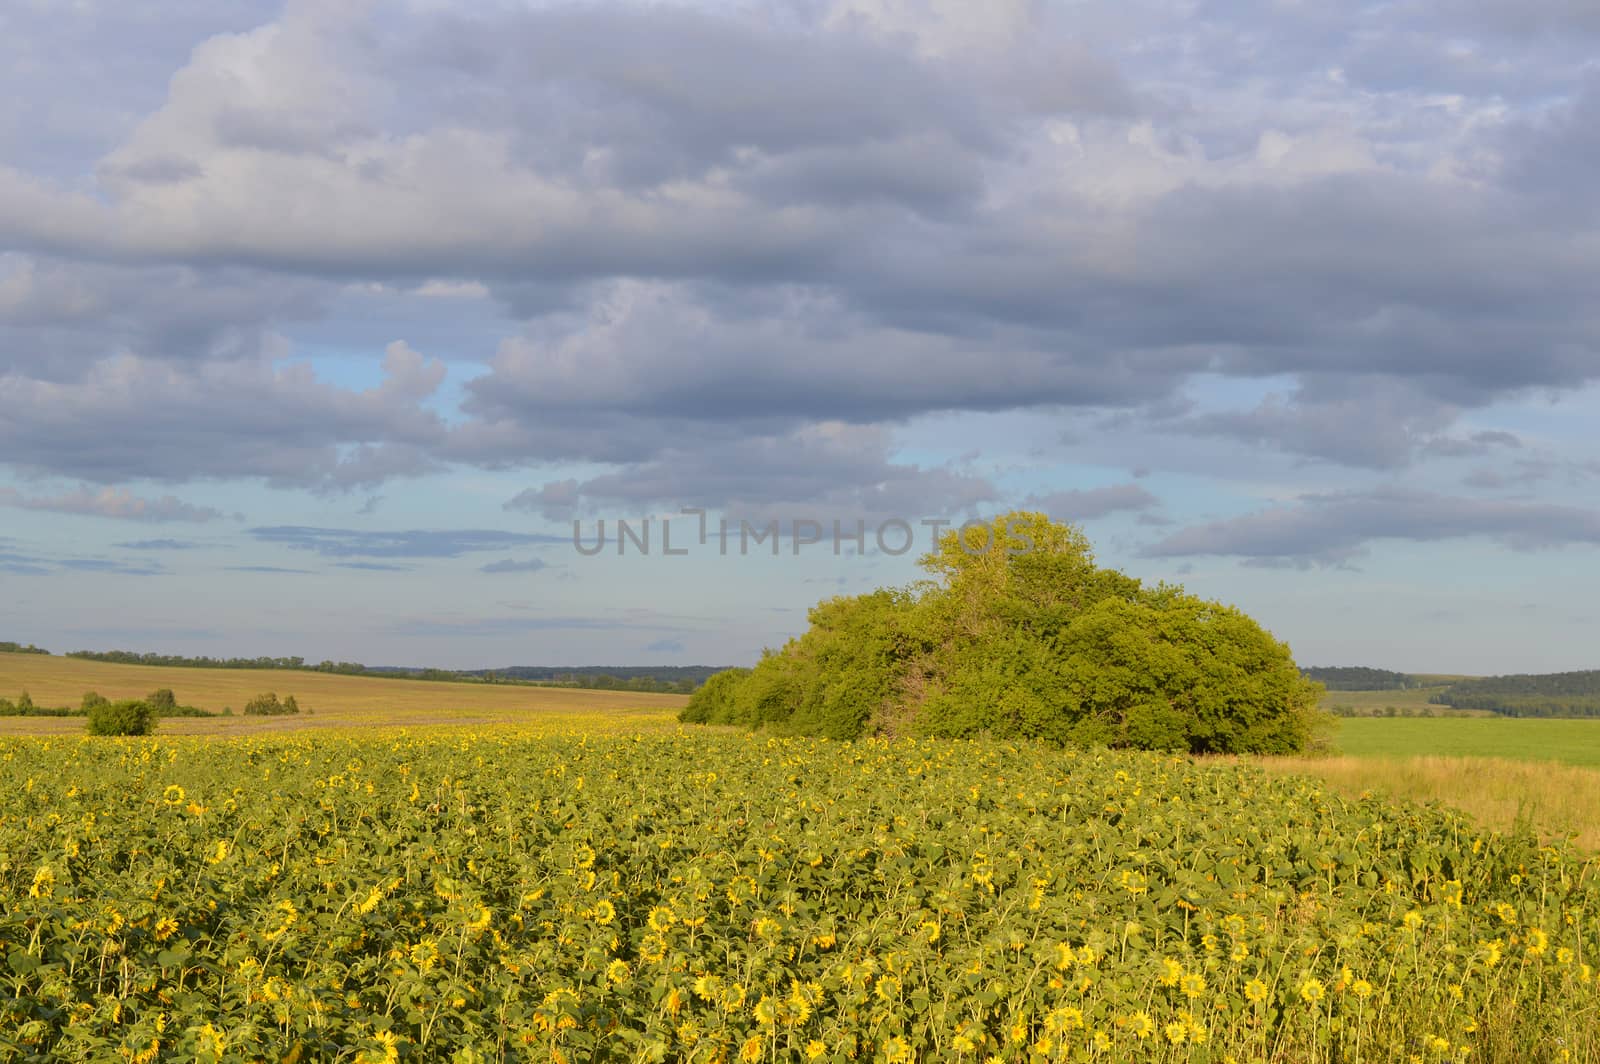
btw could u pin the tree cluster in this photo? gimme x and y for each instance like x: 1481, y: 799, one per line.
x: 267, y: 705
x: 1017, y: 633
x: 1554, y: 694
x: 24, y: 706
x: 1360, y: 678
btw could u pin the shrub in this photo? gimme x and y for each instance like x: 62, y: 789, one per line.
x: 267, y: 705
x: 129, y: 717
x: 713, y: 702
x: 92, y: 699
x: 162, y: 703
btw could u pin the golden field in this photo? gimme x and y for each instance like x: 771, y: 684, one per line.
x: 1553, y: 800
x: 1507, y: 773
x: 330, y: 699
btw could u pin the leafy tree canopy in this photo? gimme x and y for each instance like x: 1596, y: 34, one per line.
x: 1017, y: 633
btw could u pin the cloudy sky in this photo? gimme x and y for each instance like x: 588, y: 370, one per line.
x: 321, y: 322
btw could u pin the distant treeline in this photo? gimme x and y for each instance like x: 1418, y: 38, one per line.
x: 1556, y: 694
x: 663, y: 679
x: 7, y: 647
x: 1553, y: 694
x: 160, y: 703
x: 1359, y: 678
x: 178, y: 661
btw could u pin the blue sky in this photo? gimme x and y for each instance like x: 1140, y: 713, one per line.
x: 321, y: 323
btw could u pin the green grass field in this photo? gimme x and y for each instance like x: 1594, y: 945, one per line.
x: 1573, y: 742
x: 1413, y: 701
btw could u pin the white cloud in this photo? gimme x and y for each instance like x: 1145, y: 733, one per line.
x: 112, y: 502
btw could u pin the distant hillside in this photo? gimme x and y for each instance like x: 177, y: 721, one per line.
x: 666, y: 673
x: 1358, y: 678
x: 1553, y: 694
x: 661, y: 679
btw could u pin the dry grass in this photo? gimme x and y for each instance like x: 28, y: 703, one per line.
x: 340, y: 701
x: 1557, y: 801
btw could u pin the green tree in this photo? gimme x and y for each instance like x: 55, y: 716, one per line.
x: 1018, y: 633
x: 162, y: 703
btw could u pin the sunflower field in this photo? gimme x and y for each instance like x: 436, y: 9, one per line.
x: 503, y: 896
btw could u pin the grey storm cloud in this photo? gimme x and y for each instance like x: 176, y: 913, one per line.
x: 415, y: 543
x: 136, y: 417
x: 58, y: 317
x: 1336, y: 527
x: 1530, y: 17
x: 820, y: 472
x: 694, y: 245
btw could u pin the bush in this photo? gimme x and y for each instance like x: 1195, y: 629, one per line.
x: 92, y: 699
x: 714, y: 702
x: 162, y: 703
x: 267, y: 705
x: 129, y: 717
